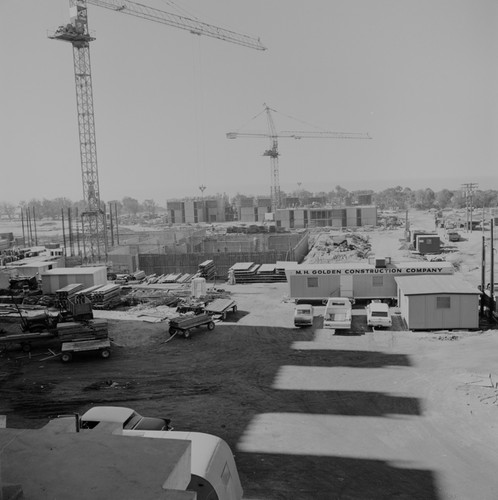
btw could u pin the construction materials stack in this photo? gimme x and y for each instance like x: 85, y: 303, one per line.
x: 80, y: 306
x: 207, y: 270
x: 63, y: 295
x: 106, y: 297
x: 75, y: 331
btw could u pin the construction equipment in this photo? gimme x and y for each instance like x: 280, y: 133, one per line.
x: 77, y: 33
x: 273, y: 153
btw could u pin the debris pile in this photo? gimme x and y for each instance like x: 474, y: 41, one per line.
x: 331, y: 247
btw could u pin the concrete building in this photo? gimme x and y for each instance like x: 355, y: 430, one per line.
x: 438, y: 302
x: 207, y: 210
x: 291, y: 218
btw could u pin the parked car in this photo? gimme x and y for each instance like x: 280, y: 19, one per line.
x: 453, y: 236
x: 129, y: 419
x: 378, y: 314
x: 303, y: 315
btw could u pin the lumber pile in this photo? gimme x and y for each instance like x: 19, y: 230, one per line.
x: 66, y: 293
x: 249, y: 272
x: 72, y: 331
x: 207, y: 270
x: 106, y: 296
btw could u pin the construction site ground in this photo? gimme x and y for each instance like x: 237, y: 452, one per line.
x: 309, y: 414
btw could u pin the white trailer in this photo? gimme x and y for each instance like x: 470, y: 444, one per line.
x: 355, y: 280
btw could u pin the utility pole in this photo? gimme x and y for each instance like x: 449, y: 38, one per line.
x: 468, y: 189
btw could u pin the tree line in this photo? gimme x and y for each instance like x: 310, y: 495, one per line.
x: 393, y: 198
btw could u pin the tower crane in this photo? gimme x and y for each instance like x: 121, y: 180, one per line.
x: 77, y: 33
x: 273, y: 153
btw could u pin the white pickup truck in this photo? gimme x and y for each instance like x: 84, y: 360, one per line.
x: 338, y: 313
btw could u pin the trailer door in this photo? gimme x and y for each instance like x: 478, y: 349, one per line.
x: 346, y: 285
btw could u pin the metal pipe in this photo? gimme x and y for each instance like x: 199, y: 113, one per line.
x: 111, y: 228
x: 117, y: 228
x: 492, y: 270
x: 22, y: 222
x: 34, y: 224
x: 70, y: 230
x: 63, y: 232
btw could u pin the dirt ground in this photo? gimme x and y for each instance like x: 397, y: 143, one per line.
x: 308, y: 414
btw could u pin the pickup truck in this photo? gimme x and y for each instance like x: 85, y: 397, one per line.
x: 338, y: 313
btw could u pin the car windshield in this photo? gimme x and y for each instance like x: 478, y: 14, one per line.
x: 302, y: 310
x: 380, y: 314
x: 132, y: 421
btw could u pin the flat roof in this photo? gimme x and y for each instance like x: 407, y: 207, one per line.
x: 74, y: 270
x: 71, y: 465
x: 435, y: 284
x: 366, y: 265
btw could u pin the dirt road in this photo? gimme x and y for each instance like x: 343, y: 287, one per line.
x: 308, y: 414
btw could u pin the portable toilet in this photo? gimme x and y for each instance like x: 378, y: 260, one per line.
x: 198, y: 287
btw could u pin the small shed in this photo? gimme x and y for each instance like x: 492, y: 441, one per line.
x: 438, y: 302
x: 428, y: 243
x: 58, y: 278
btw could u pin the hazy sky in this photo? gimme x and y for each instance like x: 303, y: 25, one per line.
x: 420, y: 76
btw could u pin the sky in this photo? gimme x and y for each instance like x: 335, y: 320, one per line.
x: 419, y: 76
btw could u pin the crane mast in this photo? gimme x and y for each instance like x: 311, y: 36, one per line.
x: 273, y: 154
x: 93, y: 217
x: 77, y: 33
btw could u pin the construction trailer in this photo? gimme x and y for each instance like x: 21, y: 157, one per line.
x: 55, y: 279
x: 355, y: 280
x: 427, y: 243
x: 438, y: 302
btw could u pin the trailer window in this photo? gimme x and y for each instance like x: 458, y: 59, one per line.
x: 443, y: 302
x: 313, y: 282
x: 377, y: 280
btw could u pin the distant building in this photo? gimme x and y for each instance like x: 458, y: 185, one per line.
x: 297, y: 218
x: 207, y: 210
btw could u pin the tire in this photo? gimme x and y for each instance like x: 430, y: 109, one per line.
x: 186, y: 334
x: 66, y: 357
x: 211, y: 325
x: 26, y: 346
x: 105, y: 353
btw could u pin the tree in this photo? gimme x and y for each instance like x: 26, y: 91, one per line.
x: 150, y: 206
x: 8, y: 209
x: 424, y: 199
x: 131, y: 205
x: 443, y: 198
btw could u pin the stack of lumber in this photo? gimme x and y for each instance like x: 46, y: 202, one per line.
x: 106, y: 296
x: 87, y: 292
x: 249, y: 272
x: 139, y: 275
x: 72, y: 331
x: 207, y: 269
x: 66, y: 293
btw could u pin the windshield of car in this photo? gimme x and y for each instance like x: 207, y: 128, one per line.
x: 380, y: 314
x: 303, y: 310
x: 132, y: 421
